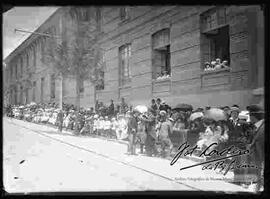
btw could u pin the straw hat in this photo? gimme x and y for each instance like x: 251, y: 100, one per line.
x: 163, y: 113
x: 234, y: 108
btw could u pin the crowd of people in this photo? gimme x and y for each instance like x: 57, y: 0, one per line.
x: 216, y: 65
x: 163, y: 75
x: 158, y: 128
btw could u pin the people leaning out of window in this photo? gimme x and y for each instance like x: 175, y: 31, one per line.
x: 215, y: 65
x: 163, y: 75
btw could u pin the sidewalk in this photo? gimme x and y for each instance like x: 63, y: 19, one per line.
x: 70, y: 132
x: 206, y: 180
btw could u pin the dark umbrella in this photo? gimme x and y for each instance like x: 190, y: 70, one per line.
x: 183, y: 107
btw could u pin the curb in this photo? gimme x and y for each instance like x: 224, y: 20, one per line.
x: 70, y: 132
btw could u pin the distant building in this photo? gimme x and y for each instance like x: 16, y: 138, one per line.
x: 142, y: 42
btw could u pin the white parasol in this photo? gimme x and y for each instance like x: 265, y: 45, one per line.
x: 196, y: 115
x: 141, y: 108
x: 215, y: 114
x: 32, y: 104
x: 244, y: 115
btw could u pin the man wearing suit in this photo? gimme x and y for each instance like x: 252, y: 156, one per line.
x: 111, y: 109
x: 132, y: 130
x: 150, y: 142
x: 235, y: 129
x: 159, y: 106
x: 236, y: 138
x: 257, y: 144
x: 154, y: 105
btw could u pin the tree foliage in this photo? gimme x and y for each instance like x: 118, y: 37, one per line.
x: 80, y: 54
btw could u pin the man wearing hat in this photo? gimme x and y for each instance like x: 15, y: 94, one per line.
x: 237, y: 138
x: 153, y: 105
x: 226, y: 110
x: 123, y: 106
x: 110, y: 110
x: 132, y: 130
x: 164, y: 129
x: 150, y: 142
x: 256, y: 147
x: 234, y: 115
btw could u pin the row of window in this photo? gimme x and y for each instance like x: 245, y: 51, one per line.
x: 215, y: 46
x: 161, y: 57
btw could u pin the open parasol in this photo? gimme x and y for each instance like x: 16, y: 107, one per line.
x: 141, y: 108
x: 183, y: 107
x: 215, y: 114
x: 244, y: 115
x: 196, y: 115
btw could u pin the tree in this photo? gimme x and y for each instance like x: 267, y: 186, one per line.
x: 79, y: 54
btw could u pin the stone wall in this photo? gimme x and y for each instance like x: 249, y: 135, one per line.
x: 188, y: 83
x: 188, y: 79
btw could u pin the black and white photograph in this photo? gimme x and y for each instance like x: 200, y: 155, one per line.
x: 133, y: 98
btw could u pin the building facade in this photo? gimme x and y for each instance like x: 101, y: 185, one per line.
x: 142, y: 43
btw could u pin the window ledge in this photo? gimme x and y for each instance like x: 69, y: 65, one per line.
x: 216, y: 71
x: 124, y: 86
x: 99, y: 90
x: 165, y: 79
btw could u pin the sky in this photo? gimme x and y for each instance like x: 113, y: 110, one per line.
x: 26, y: 18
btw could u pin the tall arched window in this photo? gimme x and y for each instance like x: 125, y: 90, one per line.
x: 52, y: 86
x: 27, y: 59
x: 21, y: 64
x: 124, y: 64
x: 161, y: 54
x: 34, y: 54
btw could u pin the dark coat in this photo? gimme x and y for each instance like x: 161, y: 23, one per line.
x: 111, y: 109
x: 257, y: 146
x: 150, y: 124
x: 123, y: 107
x: 236, y: 134
x: 154, y: 107
x: 132, y: 125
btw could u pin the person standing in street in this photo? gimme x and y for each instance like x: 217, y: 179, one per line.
x: 60, y: 120
x: 256, y: 147
x: 159, y: 106
x: 97, y: 107
x: 110, y: 112
x: 164, y: 130
x: 132, y: 130
x: 141, y: 134
x: 123, y: 106
x: 150, y: 142
x: 154, y: 105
